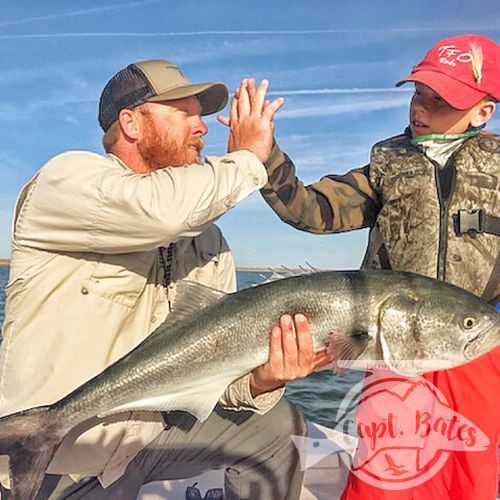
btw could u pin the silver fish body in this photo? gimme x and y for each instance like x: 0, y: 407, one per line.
x: 212, y: 339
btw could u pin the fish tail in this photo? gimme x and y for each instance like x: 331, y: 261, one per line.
x: 30, y: 439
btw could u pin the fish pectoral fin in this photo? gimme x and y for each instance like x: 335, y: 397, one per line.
x: 346, y: 348
x: 199, y: 401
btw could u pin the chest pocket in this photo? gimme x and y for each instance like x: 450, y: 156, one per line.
x: 405, y: 183
x: 197, y: 259
x: 121, y: 279
x: 481, y: 180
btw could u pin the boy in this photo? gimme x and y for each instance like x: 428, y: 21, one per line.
x: 431, y: 199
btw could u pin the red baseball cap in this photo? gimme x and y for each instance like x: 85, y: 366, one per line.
x: 462, y: 70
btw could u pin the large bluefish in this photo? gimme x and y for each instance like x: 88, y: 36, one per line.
x: 212, y: 339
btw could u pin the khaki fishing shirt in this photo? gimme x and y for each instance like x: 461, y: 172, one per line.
x: 411, y: 203
x: 90, y: 239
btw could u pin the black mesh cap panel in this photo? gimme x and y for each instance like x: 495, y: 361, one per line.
x: 126, y: 90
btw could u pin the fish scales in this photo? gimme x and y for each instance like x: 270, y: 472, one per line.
x: 235, y: 331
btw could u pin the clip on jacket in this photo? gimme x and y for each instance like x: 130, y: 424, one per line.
x: 476, y: 221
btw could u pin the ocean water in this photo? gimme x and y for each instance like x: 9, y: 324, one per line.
x: 318, y: 396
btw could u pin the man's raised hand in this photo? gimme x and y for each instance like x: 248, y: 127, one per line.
x: 251, y: 119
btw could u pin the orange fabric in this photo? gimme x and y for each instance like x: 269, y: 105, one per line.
x: 473, y: 391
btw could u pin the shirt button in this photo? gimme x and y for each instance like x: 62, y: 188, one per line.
x: 456, y: 258
x: 84, y: 291
x: 228, y: 203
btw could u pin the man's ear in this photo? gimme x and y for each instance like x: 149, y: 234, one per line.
x: 129, y: 123
x: 483, y: 112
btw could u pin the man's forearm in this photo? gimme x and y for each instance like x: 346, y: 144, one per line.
x: 98, y: 206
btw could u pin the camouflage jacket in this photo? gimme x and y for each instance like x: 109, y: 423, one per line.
x: 411, y: 205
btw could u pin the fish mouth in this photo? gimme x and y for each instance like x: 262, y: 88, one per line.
x: 481, y: 343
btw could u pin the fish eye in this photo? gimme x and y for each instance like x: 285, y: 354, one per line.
x: 360, y: 334
x: 469, y: 322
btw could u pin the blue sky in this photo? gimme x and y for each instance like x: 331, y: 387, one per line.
x: 335, y: 63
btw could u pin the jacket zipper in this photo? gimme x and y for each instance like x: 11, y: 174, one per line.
x: 444, y: 203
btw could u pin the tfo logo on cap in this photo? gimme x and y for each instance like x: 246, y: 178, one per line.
x: 451, y: 55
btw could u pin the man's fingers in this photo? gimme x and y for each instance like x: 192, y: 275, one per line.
x: 243, y: 100
x: 276, y: 350
x: 233, y: 110
x: 304, y: 341
x: 260, y: 98
x: 271, y: 109
x: 290, y: 349
x: 251, y: 88
x: 223, y: 119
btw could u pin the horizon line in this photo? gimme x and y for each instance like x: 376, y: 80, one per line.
x: 6, y: 262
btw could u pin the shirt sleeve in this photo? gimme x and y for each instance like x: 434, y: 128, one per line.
x: 334, y: 204
x: 86, y: 202
x: 238, y: 397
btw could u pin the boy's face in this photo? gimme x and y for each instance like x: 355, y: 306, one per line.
x: 430, y: 114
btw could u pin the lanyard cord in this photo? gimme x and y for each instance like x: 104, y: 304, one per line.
x: 166, y: 265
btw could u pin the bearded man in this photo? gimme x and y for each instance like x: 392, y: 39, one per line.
x: 99, y: 243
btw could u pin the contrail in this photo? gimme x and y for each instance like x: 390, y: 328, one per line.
x: 173, y: 34
x: 335, y: 109
x: 104, y: 8
x: 354, y: 90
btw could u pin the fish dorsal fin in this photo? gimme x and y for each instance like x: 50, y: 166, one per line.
x: 190, y: 298
x: 285, y: 272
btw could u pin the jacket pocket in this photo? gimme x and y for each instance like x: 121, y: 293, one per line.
x: 120, y: 278
x: 405, y: 184
x: 481, y: 180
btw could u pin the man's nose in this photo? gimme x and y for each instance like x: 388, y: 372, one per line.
x: 198, y: 126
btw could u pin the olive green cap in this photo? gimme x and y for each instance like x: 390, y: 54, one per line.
x: 151, y: 81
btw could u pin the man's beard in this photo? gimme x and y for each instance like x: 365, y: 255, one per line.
x: 162, y: 149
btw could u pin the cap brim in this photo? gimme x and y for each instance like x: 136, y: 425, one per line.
x: 456, y: 94
x: 213, y: 96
